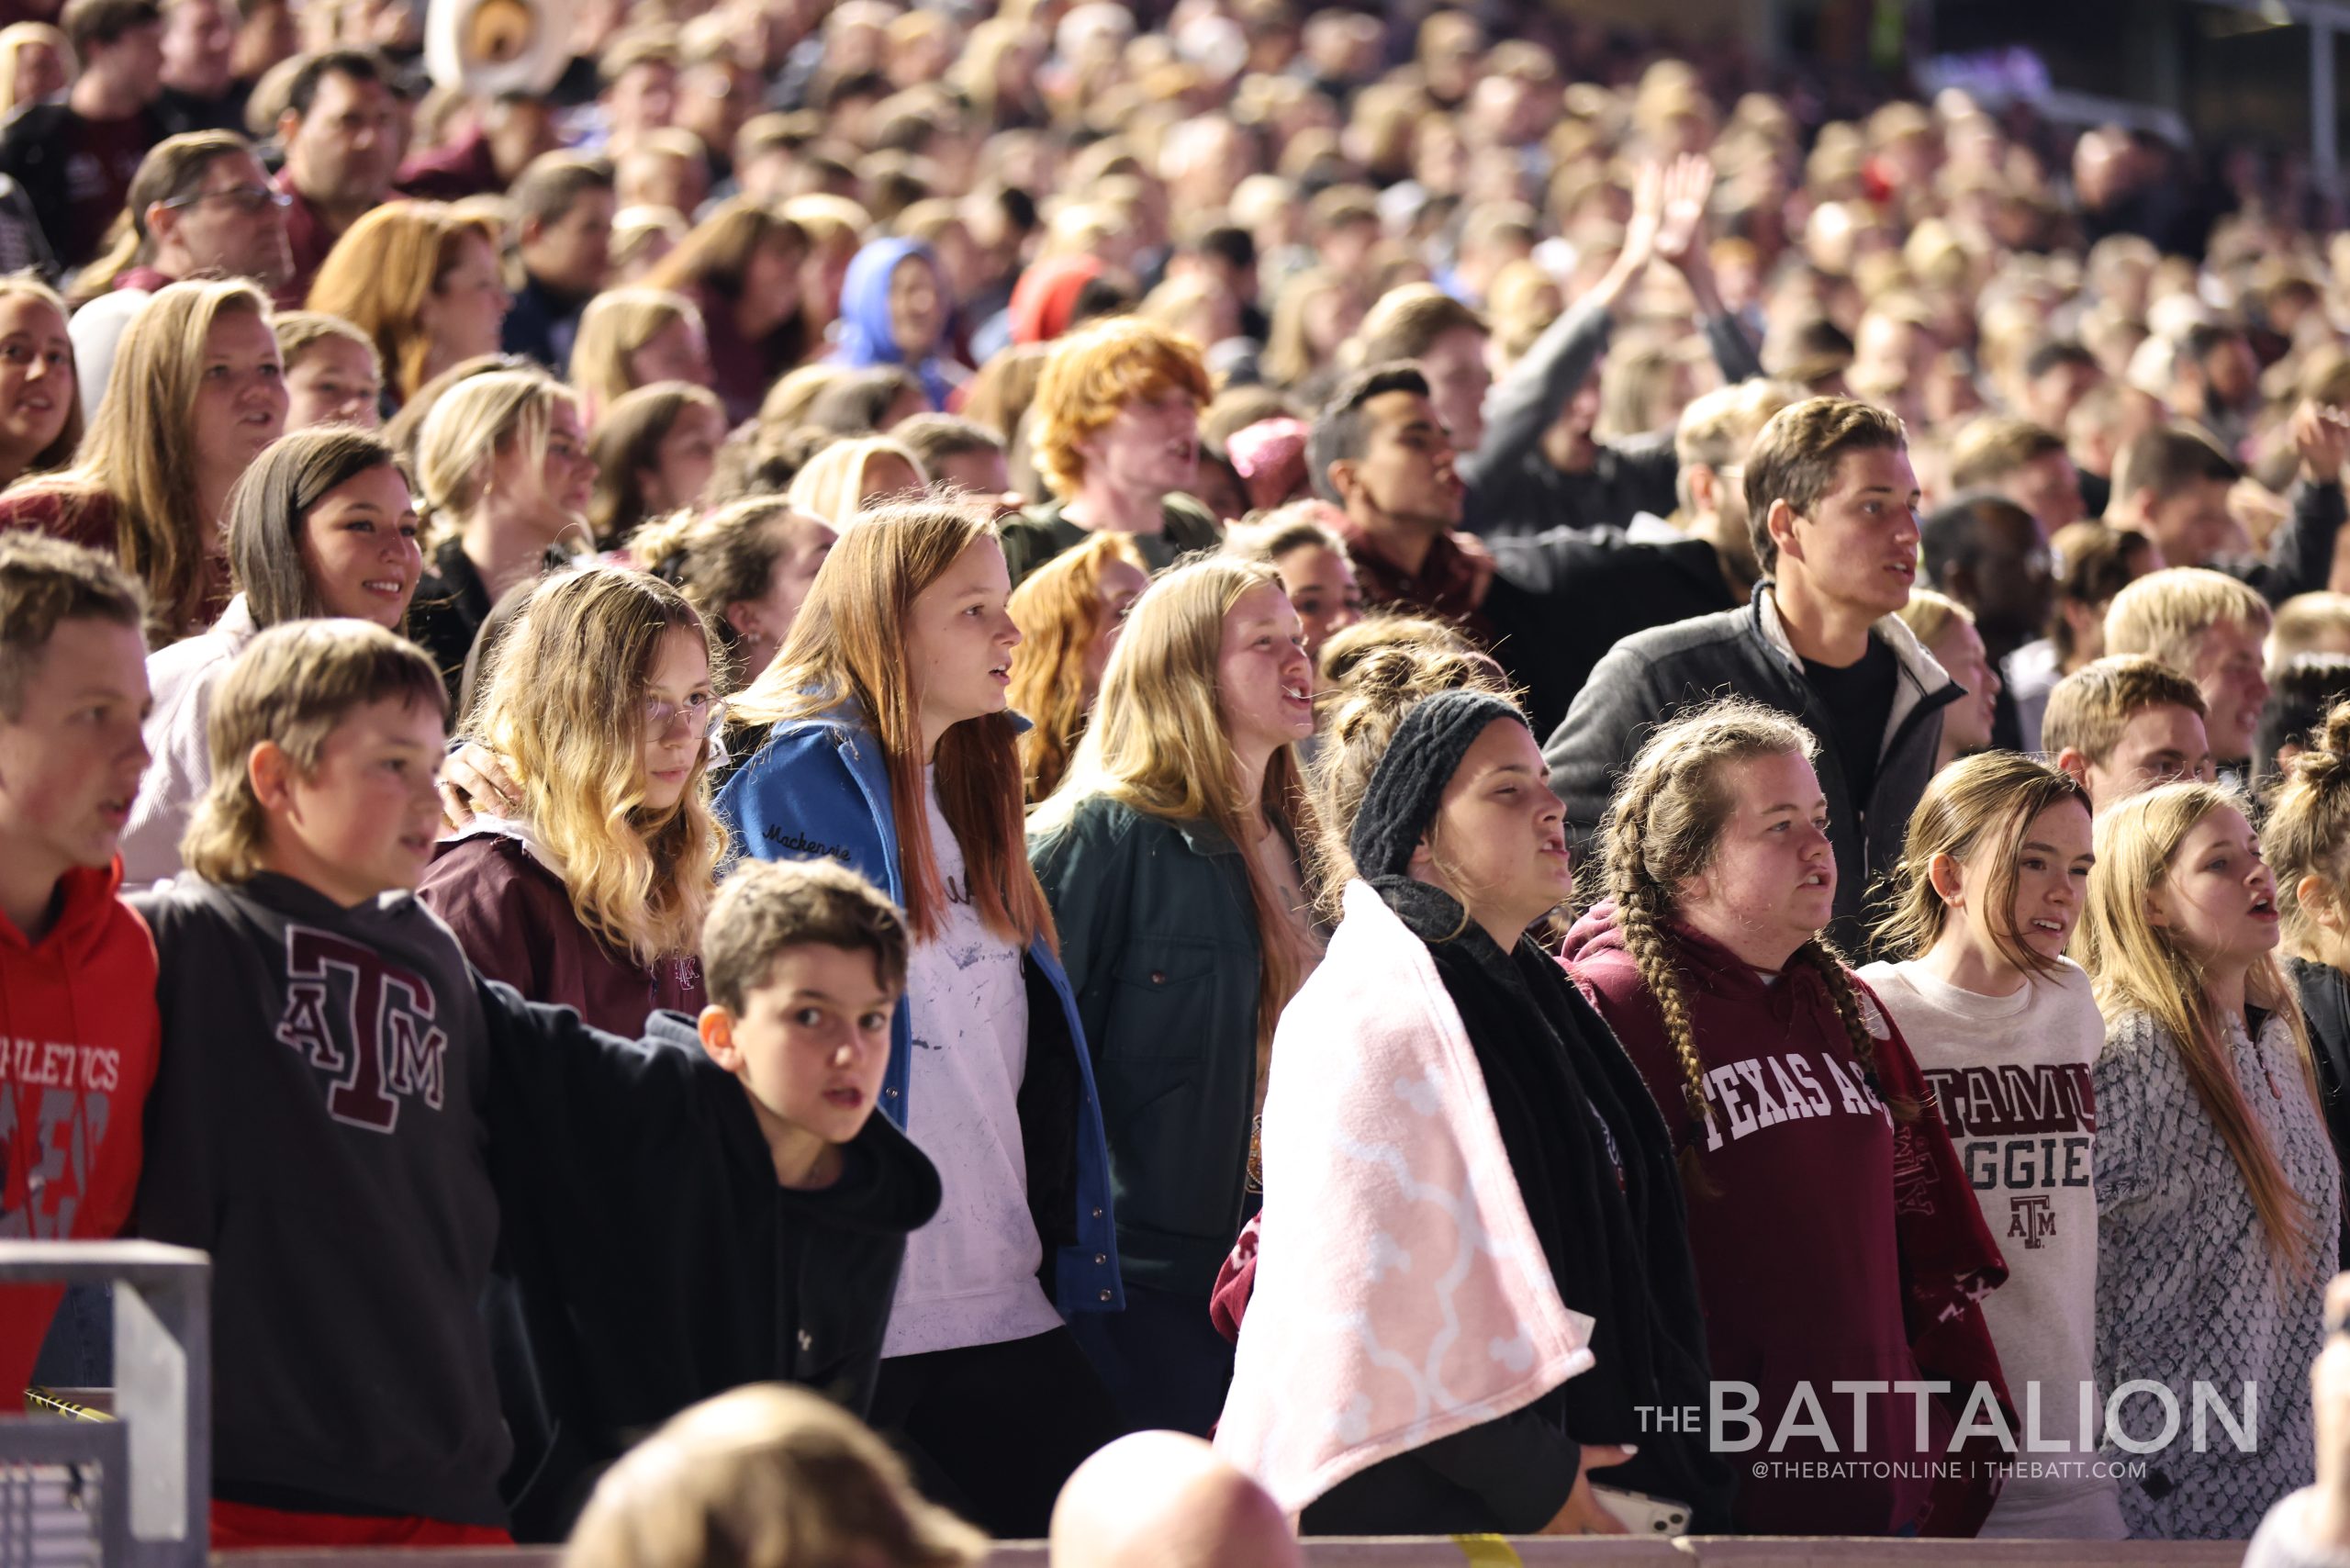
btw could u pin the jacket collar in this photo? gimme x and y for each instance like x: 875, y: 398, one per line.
x: 1919, y: 665
x: 1922, y: 676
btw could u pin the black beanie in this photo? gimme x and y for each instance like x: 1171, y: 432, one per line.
x: 1409, y: 784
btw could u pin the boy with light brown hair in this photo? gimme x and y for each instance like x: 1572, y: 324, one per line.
x: 2123, y: 724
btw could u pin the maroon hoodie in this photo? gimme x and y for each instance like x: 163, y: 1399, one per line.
x: 1840, y: 1244
x: 78, y: 1034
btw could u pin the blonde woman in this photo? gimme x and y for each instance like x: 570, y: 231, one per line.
x: 850, y: 476
x: 423, y: 282
x: 1069, y: 613
x: 633, y: 337
x: 503, y: 480
x: 600, y: 708
x: 197, y: 394
x: 1707, y: 961
x: 1172, y: 855
x: 641, y: 236
x: 2218, y: 1193
x: 880, y: 737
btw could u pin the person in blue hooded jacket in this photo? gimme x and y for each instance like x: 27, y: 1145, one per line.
x: 882, y: 740
x: 895, y: 310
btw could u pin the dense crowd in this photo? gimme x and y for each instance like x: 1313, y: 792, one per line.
x: 909, y: 701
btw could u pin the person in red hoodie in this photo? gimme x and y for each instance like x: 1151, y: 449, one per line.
x: 1840, y: 1255
x: 78, y: 1025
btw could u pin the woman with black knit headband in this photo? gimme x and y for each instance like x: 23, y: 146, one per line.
x: 1840, y: 1251
x: 1436, y: 1037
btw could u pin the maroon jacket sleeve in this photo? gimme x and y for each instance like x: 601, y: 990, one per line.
x: 493, y: 905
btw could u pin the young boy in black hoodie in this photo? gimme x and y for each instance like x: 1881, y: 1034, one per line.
x: 350, y: 1120
x: 657, y: 1279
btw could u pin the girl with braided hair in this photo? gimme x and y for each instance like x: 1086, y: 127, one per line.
x: 1804, y: 1150
x: 1990, y: 885
x: 2219, y: 1194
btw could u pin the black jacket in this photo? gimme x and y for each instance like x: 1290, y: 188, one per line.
x: 1647, y: 680
x: 659, y: 1262
x: 2324, y: 993
x: 1595, y: 1165
x: 1513, y: 488
x: 1564, y: 597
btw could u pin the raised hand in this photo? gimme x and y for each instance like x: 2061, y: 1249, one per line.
x: 2321, y: 437
x: 1684, y: 189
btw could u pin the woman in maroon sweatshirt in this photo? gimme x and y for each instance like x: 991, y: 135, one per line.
x: 591, y: 893
x: 1840, y: 1251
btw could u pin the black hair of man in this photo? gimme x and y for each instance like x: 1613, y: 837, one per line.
x: 2055, y: 354
x: 2206, y: 338
x: 359, y: 64
x: 1340, y: 433
x: 1228, y: 243
x: 1950, y: 538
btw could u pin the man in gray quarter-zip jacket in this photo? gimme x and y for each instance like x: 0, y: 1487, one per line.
x: 1833, y: 507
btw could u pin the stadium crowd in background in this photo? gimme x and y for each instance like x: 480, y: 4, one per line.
x: 812, y: 689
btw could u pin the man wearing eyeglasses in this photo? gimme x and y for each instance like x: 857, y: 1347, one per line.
x: 231, y: 224
x: 75, y: 157
x: 200, y: 208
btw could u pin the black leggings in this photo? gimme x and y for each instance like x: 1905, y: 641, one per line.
x: 993, y: 1431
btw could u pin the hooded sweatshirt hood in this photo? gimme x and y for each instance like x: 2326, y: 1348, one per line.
x: 1705, y: 964
x: 868, y: 337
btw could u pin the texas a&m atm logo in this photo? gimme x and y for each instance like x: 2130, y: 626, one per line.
x: 380, y: 1044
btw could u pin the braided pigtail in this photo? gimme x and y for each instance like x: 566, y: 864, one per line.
x: 1640, y: 903
x: 1830, y: 967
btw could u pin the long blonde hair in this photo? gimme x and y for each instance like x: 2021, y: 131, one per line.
x: 564, y: 708
x: 1059, y: 611
x: 2143, y: 968
x: 140, y: 453
x: 1156, y: 744
x: 847, y: 649
x: 1662, y: 829
x: 382, y: 271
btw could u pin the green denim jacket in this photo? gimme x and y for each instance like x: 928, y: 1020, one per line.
x: 1158, y: 937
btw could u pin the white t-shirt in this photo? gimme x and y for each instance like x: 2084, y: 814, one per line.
x: 2011, y: 1075
x: 970, y: 1274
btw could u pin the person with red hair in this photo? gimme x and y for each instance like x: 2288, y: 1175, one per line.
x: 1116, y: 440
